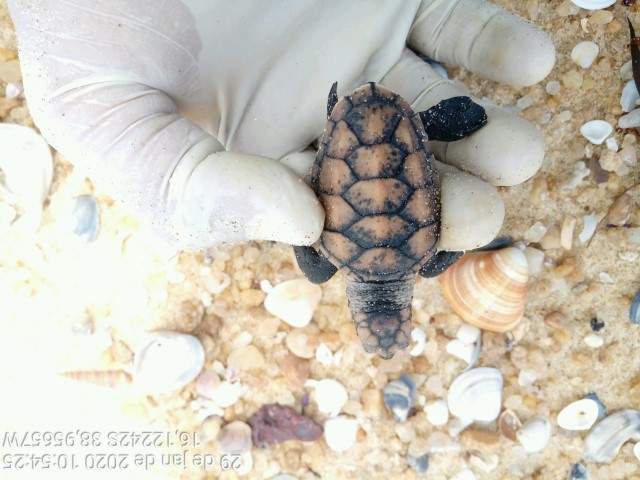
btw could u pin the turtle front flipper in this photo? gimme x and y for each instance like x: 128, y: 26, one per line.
x: 439, y: 263
x: 316, y: 268
x: 453, y: 119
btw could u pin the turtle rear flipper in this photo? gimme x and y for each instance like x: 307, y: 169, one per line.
x: 315, y: 267
x: 439, y: 263
x: 453, y: 119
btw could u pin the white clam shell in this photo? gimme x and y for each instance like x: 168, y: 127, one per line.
x: 579, y: 415
x: 330, y: 395
x: 534, y: 435
x: 27, y: 166
x: 593, y: 4
x: 167, y: 361
x: 294, y: 301
x: 476, y: 394
x: 605, y: 439
x: 596, y: 131
x: 584, y: 53
x: 340, y: 433
x: 437, y: 412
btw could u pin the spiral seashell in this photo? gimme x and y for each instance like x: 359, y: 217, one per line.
x: 488, y: 289
x: 476, y: 394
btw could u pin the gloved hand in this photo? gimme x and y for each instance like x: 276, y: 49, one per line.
x: 200, y: 114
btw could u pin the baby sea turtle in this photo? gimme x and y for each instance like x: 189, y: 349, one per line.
x: 374, y: 173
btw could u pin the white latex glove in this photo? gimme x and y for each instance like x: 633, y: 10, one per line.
x: 183, y: 110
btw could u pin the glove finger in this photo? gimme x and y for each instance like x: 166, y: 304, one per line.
x: 472, y: 210
x: 483, y: 38
x: 507, y: 151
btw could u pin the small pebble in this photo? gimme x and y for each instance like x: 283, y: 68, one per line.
x: 273, y: 424
x: 595, y: 325
x: 578, y: 415
x: 418, y: 339
x: 210, y: 428
x: 86, y: 217
x: 294, y: 301
x: 605, y: 278
x: 596, y: 131
x: 535, y: 232
x: 13, y: 90
x: 330, y: 395
x: 399, y: 396
x: 610, y: 161
x: 534, y: 435
x: 553, y: 87
x: 524, y: 102
x: 566, y: 233
x: 340, y: 433
x: 629, y: 96
x: 630, y: 120
x: 636, y: 450
x: 526, y: 379
x: 246, y: 358
x: 634, y: 311
x: 628, y: 155
x: 235, y: 437
x: 611, y: 144
x: 304, y: 341
x: 295, y: 371
x: 584, y: 53
x: 620, y: 210
x: 589, y: 224
x: 594, y: 341
x: 535, y: 259
x: 324, y: 355
x: 419, y: 463
x: 465, y: 474
x: 437, y: 412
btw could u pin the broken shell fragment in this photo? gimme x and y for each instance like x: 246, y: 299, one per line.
x: 85, y: 217
x: 596, y: 131
x: 534, y: 435
x: 605, y: 439
x: 584, y: 53
x: 399, y: 396
x: 166, y: 361
x: 330, y: 395
x: 509, y: 424
x: 340, y: 433
x: 488, y: 289
x: 294, y: 301
x: 579, y: 415
x: 476, y: 394
x: 593, y: 4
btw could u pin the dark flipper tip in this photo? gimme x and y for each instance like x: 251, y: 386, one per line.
x: 439, y: 263
x: 316, y: 268
x: 332, y: 99
x: 453, y: 119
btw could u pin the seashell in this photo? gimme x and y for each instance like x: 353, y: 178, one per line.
x: 634, y: 311
x: 102, y: 378
x: 593, y: 4
x: 437, y: 412
x: 294, y: 301
x: 578, y: 472
x: 584, y: 53
x: 605, y: 439
x: 210, y: 428
x: 27, y: 166
x: 579, y: 415
x: 340, y: 433
x: 636, y: 450
x: 488, y: 289
x: 85, y: 217
x: 273, y: 424
x: 295, y: 371
x: 596, y: 131
x: 590, y: 222
x: 476, y: 394
x: 324, y: 355
x: 458, y: 349
x: 330, y: 395
x: 509, y: 424
x: 304, y: 341
x: 468, y: 334
x: 534, y: 435
x: 602, y: 410
x: 223, y: 394
x: 235, y: 437
x: 166, y: 361
x: 399, y: 396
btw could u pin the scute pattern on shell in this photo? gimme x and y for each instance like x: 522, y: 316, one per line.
x: 375, y: 176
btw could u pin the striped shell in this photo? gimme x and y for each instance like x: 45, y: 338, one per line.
x: 103, y: 378
x: 488, y: 289
x: 375, y: 176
